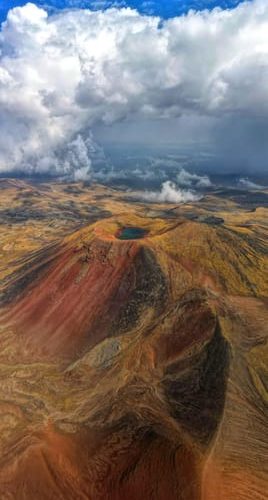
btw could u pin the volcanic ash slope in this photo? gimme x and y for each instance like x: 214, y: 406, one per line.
x: 135, y: 369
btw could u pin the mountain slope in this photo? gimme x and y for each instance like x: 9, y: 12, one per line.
x: 134, y: 369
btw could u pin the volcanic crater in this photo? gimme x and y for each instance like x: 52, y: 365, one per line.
x: 127, y: 366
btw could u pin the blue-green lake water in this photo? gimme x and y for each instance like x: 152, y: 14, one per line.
x: 131, y: 233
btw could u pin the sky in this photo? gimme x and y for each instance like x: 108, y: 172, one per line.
x: 163, y: 8
x: 160, y: 88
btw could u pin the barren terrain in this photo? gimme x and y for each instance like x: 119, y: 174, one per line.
x: 132, y: 369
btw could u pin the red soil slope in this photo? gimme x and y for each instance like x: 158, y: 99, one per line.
x: 126, y: 375
x: 75, y: 301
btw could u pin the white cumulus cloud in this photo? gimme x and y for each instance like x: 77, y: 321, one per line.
x: 187, y: 179
x: 169, y: 193
x: 60, y: 75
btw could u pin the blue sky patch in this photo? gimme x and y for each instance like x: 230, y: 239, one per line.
x: 163, y: 8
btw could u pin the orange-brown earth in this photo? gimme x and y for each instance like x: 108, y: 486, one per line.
x: 132, y: 369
